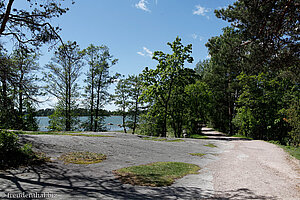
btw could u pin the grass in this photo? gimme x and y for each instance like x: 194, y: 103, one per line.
x: 82, y: 157
x: 155, y: 174
x: 293, y: 151
x: 198, y: 154
x: 210, y: 145
x: 162, y: 139
x: 197, y: 136
x: 70, y: 133
x: 242, y: 136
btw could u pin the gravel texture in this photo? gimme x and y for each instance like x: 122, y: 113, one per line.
x: 235, y: 169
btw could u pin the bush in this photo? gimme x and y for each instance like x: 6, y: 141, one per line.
x: 13, y: 154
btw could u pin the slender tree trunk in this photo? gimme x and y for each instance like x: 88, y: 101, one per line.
x: 69, y: 101
x: 123, y: 119
x: 4, y: 89
x: 135, y: 116
x: 97, y: 103
x: 21, y: 124
x: 92, y: 101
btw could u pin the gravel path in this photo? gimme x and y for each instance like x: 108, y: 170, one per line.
x: 235, y: 169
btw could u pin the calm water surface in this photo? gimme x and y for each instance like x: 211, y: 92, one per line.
x: 43, y: 122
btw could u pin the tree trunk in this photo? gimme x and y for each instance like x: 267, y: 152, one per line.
x: 135, y: 116
x: 97, y: 103
x: 124, y: 124
x: 92, y: 102
x: 21, y: 124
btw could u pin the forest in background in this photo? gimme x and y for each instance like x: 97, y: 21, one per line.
x: 249, y: 85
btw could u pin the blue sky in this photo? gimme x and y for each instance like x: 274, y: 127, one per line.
x: 134, y: 29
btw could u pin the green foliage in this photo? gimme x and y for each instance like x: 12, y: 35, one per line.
x: 62, y: 83
x: 121, y: 99
x: 13, y: 154
x: 31, y: 24
x: 198, y: 101
x: 155, y: 174
x: 270, y: 28
x: 293, y: 119
x: 163, y: 89
x: 98, y: 79
x: 259, y: 112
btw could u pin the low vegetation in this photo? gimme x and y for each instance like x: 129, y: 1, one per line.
x: 198, y: 154
x: 14, y: 154
x: 292, y: 150
x: 210, y: 145
x: 197, y: 136
x: 70, y: 133
x: 242, y: 136
x: 155, y: 174
x: 162, y: 139
x: 82, y: 157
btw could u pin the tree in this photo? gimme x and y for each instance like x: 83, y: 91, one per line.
x: 98, y: 80
x: 121, y: 99
x: 220, y: 73
x: 61, y: 80
x: 25, y: 64
x: 135, y: 92
x: 199, y: 104
x: 7, y: 79
x: 159, y: 82
x: 259, y: 112
x: 271, y: 28
x: 31, y: 25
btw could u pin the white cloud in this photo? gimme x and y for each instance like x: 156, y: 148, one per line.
x: 142, y: 4
x: 201, y: 11
x: 194, y: 36
x: 140, y: 53
x: 146, y: 52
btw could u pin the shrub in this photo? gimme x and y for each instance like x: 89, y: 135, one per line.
x: 13, y: 154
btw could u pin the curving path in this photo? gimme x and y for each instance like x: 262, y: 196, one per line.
x: 235, y: 169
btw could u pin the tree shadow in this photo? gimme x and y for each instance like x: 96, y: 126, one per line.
x: 70, y: 183
x: 227, y: 138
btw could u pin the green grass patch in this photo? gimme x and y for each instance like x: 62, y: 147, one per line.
x: 198, y: 154
x: 175, y: 140
x: 82, y: 157
x: 86, y: 135
x: 162, y: 139
x: 197, y: 136
x: 155, y: 174
x: 242, y: 136
x: 210, y: 145
x: 70, y: 133
x: 292, y: 150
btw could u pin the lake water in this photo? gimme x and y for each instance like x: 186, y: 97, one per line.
x: 43, y: 122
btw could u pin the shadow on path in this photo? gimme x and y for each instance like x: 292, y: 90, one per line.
x: 75, y: 184
x: 214, y: 135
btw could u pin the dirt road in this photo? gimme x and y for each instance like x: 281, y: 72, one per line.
x: 234, y: 169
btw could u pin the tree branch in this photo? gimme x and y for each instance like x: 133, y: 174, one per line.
x: 6, y: 16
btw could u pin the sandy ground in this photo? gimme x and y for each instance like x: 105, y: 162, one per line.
x: 235, y: 169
